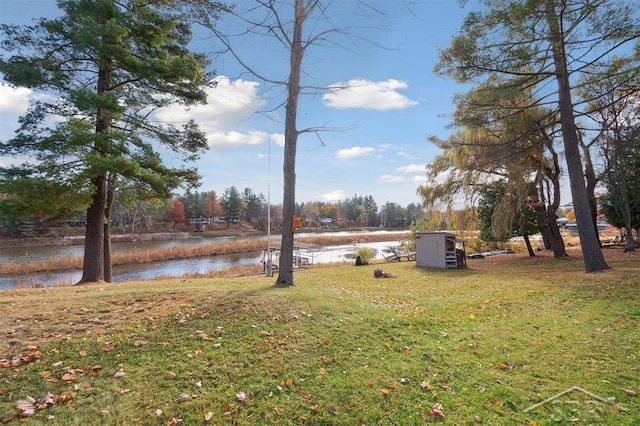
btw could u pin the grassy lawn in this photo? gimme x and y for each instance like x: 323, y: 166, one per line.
x: 474, y: 346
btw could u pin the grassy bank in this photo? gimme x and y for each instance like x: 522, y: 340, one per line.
x: 459, y: 347
x: 182, y: 252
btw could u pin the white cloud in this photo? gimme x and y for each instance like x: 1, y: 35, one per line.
x: 14, y: 100
x: 278, y: 138
x: 355, y: 152
x: 413, y: 168
x: 391, y: 179
x: 333, y: 196
x: 360, y: 93
x: 419, y: 180
x: 230, y: 106
x: 406, y: 155
x: 234, y: 139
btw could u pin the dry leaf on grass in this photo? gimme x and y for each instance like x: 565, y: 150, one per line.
x: 437, y: 410
x: 26, y: 407
x: 120, y: 374
x: 629, y: 392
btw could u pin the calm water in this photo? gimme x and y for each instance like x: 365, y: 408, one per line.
x: 172, y: 268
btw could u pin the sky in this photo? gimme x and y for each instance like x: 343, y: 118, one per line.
x: 374, y: 128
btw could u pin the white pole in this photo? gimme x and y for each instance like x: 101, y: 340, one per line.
x: 267, y: 270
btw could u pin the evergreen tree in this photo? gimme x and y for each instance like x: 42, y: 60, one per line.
x: 108, y: 65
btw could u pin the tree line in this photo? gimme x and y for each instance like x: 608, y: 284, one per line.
x: 250, y: 208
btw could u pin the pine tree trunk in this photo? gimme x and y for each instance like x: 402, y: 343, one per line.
x: 107, y: 230
x: 591, y: 181
x: 591, y: 250
x: 108, y: 277
x: 556, y: 242
x: 93, y: 264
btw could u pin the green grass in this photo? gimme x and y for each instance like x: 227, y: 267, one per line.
x: 340, y: 348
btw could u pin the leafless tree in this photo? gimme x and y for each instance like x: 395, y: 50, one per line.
x: 295, y: 26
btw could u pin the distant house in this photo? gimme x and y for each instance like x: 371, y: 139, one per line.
x: 326, y: 221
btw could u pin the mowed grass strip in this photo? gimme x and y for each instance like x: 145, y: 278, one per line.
x: 477, y: 346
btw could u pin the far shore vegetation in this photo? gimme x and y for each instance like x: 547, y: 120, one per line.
x: 191, y: 251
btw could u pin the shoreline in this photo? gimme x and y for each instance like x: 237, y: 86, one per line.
x: 186, y: 252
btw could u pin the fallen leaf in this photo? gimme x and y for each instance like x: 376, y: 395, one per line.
x: 69, y: 377
x: 120, y: 374
x: 437, y: 410
x: 85, y: 386
x: 385, y: 392
x: 26, y: 407
x: 47, y: 400
x: 183, y: 397
x: 66, y: 398
x: 629, y: 392
x: 208, y: 416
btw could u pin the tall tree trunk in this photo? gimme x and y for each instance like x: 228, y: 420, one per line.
x: 527, y: 241
x: 589, y: 242
x: 556, y: 242
x: 592, y: 181
x: 93, y: 265
x: 285, y: 268
x: 107, y: 251
x: 107, y: 229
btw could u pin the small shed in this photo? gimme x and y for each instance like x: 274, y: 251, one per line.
x: 439, y: 250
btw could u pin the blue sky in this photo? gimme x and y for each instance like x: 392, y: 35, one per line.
x: 392, y: 103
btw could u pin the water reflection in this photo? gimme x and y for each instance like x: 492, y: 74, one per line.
x: 170, y: 268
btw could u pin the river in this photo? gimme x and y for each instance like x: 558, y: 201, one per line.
x: 172, y: 268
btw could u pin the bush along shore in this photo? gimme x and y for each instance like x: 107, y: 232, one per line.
x: 139, y: 256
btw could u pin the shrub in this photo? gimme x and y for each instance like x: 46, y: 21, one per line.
x: 365, y: 254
